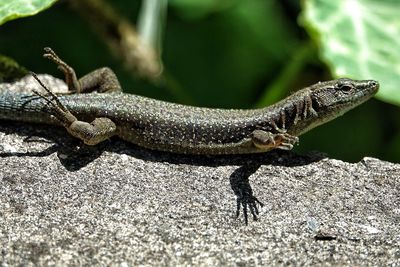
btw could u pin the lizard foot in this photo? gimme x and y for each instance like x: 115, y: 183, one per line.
x: 268, y: 141
x: 248, y: 201
x: 57, y: 110
x: 92, y: 133
x: 69, y: 73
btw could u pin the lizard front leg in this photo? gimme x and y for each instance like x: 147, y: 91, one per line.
x: 92, y: 133
x: 268, y: 140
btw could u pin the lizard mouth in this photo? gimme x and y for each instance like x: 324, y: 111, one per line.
x: 368, y: 91
x: 374, y: 85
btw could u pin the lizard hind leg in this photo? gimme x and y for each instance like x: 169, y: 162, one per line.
x: 92, y: 133
x: 267, y: 140
x: 69, y: 73
x: 102, y: 80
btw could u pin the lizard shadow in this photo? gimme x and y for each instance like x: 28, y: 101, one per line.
x: 274, y: 158
x: 239, y: 179
x: 72, y: 155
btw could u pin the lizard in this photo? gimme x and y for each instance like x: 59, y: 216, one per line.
x: 96, y: 109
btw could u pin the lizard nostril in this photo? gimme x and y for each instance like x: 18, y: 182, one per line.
x: 373, y: 83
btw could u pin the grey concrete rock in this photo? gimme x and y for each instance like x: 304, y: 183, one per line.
x: 62, y: 203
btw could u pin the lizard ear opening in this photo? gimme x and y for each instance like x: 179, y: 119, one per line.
x: 315, y: 105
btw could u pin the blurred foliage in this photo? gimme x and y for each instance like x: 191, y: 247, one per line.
x: 10, y: 70
x: 14, y: 9
x: 359, y: 39
x: 222, y: 53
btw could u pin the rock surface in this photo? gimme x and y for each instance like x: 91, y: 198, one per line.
x: 66, y: 204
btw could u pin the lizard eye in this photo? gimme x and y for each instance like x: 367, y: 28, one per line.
x: 344, y: 86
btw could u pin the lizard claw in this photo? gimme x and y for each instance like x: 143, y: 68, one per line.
x: 248, y: 202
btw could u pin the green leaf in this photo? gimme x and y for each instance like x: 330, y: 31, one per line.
x: 359, y: 39
x: 13, y: 9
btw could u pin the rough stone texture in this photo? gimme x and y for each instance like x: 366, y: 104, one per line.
x: 117, y: 204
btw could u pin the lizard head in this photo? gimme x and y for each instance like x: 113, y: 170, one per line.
x: 333, y: 98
